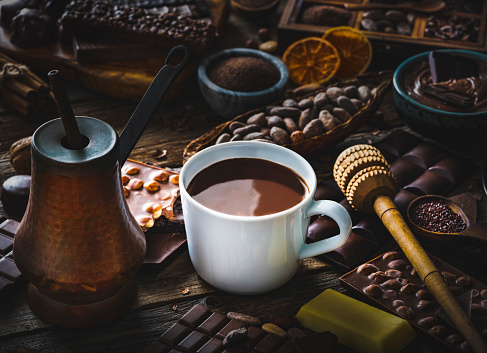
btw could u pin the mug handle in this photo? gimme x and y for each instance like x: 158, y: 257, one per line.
x: 336, y: 212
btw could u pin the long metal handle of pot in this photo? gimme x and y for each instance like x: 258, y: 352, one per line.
x: 149, y: 102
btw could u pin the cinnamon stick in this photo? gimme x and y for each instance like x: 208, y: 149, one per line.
x: 17, y: 102
x: 22, y: 89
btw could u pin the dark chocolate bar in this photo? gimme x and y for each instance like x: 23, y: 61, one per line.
x: 92, y: 17
x: 202, y: 331
x: 391, y: 283
x: 9, y: 273
x: 420, y: 168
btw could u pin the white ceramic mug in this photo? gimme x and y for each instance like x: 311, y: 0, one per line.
x: 254, y: 254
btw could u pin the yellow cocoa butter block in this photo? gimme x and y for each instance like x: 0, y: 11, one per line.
x: 357, y: 325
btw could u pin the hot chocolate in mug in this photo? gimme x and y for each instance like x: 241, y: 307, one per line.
x: 247, y: 254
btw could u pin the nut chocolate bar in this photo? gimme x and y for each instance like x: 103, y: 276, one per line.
x: 202, y: 331
x: 9, y: 273
x: 91, y: 17
x: 420, y: 168
x: 391, y: 283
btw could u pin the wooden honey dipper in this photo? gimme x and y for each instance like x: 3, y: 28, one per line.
x: 365, y: 178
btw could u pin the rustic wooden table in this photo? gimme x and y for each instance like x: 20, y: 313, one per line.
x: 161, y: 299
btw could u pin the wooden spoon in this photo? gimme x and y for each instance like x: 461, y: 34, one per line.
x: 472, y: 235
x: 422, y: 6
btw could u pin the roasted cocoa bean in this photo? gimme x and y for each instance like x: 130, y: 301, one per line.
x: 424, y: 305
x: 314, y: 128
x: 234, y: 337
x: 223, y: 138
x: 305, y: 103
x: 275, y: 120
x: 378, y: 277
x: 236, y: 137
x: 284, y: 112
x: 366, y: 269
x: 389, y: 294
x: 304, y: 118
x: 290, y: 125
x: 327, y: 119
x: 391, y: 284
x: 247, y: 129
x: 280, y: 136
x: 391, y: 255
x: 297, y: 136
x: 405, y: 312
x: 364, y: 93
x: 464, y: 281
x: 320, y: 100
x: 454, y: 339
x: 423, y: 294
x: 398, y: 303
x: 427, y: 322
x: 345, y: 103
x: 393, y: 273
x: 247, y: 319
x: 350, y: 91
x: 438, y: 331
x: 235, y: 125
x: 258, y: 119
x: 290, y: 103
x: 373, y: 290
x: 254, y: 136
x: 397, y: 264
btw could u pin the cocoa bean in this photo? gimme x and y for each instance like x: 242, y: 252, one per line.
x: 304, y: 118
x: 341, y: 114
x: 320, y: 100
x: 373, y: 15
x: 313, y: 128
x: 290, y: 125
x: 364, y: 93
x: 247, y: 129
x: 280, y: 136
x: 350, y: 91
x: 247, y: 319
x: 327, y: 120
x: 223, y: 138
x: 290, y: 103
x: 368, y: 25
x: 297, y: 136
x: 275, y: 120
x: 254, y: 135
x: 236, y: 138
x: 284, y: 112
x: 234, y: 125
x: 334, y: 92
x: 395, y: 16
x: 305, y: 103
x: 234, y: 337
x: 258, y: 119
x: 345, y: 103
x: 367, y: 269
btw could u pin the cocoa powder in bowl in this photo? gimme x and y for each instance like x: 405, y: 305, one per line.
x: 244, y: 74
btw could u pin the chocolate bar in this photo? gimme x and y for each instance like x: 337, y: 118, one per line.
x: 419, y: 167
x: 91, y: 17
x: 9, y: 273
x: 202, y: 331
x: 391, y: 283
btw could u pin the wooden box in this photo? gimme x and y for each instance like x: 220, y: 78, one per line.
x: 390, y: 48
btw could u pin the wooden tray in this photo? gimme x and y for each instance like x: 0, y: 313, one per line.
x: 120, y: 79
x: 394, y: 47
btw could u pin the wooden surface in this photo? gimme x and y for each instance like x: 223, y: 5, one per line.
x: 121, y: 79
x: 160, y: 299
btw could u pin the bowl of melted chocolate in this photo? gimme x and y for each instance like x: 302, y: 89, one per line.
x: 234, y: 81
x: 443, y: 93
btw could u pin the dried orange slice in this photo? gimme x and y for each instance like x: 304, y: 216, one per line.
x: 311, y: 60
x: 354, y: 49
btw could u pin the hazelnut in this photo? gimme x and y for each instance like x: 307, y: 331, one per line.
x: 427, y: 322
x: 154, y: 208
x: 151, y: 186
x: 135, y: 184
x: 130, y: 170
x: 397, y: 303
x: 424, y: 305
x: 391, y: 255
x: 252, y: 44
x: 423, y: 294
x: 409, y: 288
x: 393, y: 273
x: 405, y: 312
x: 125, y: 179
x: 389, y: 294
x: 20, y: 155
x: 449, y: 276
x: 175, y: 179
x: 378, y: 277
x: 145, y: 221
x: 161, y: 176
x: 264, y: 34
x: 454, y: 339
x: 463, y: 281
x: 438, y: 331
x: 367, y: 269
x: 373, y: 290
x: 397, y: 264
x: 391, y: 284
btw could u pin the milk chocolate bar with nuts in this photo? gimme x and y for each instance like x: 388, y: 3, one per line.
x: 137, y: 24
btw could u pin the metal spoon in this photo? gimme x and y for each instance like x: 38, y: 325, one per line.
x: 422, y: 6
x: 472, y: 235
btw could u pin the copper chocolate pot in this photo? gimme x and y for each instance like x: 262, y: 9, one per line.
x: 78, y: 245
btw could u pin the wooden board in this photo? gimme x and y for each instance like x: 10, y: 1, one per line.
x: 120, y: 79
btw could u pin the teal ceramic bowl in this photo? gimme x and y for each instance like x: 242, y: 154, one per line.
x: 230, y: 104
x: 433, y: 122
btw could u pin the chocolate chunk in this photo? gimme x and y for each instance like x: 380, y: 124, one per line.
x: 9, y: 273
x: 454, y: 98
x: 31, y: 28
x: 444, y: 66
x: 15, y: 194
x: 183, y: 338
x: 9, y: 9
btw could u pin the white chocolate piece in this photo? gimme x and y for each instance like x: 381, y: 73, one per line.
x: 357, y: 325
